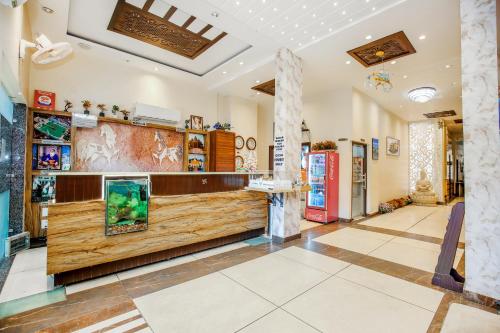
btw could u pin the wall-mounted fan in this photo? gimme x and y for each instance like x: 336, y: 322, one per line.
x: 47, y: 52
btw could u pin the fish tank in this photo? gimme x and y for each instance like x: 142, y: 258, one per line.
x: 127, y: 203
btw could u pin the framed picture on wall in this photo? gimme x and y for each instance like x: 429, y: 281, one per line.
x: 392, y: 146
x: 196, y: 122
x: 375, y: 147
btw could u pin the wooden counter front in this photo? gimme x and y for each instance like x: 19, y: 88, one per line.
x: 76, y: 238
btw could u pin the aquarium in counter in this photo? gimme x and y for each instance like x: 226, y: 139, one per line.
x: 127, y: 202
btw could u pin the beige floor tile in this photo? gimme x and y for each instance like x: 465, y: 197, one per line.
x: 219, y: 250
x: 337, y: 305
x: 101, y: 281
x: 412, y: 253
x: 275, y: 277
x: 356, y: 240
x: 26, y: 283
x: 30, y: 259
x: 278, y: 321
x: 315, y: 260
x: 305, y: 224
x: 466, y: 319
x: 154, y: 267
x: 401, y: 219
x: 435, y: 224
x: 423, y: 297
x: 213, y: 303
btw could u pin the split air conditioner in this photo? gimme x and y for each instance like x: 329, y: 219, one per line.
x: 144, y: 112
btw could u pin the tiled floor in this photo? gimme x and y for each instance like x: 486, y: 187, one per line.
x: 336, y: 278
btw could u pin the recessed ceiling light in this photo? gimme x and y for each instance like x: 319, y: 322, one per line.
x: 224, y: 73
x: 258, y: 93
x: 335, y: 4
x: 156, y: 69
x: 282, y: 32
x: 215, y: 14
x: 373, y: 9
x: 275, y: 9
x: 84, y: 46
x: 393, y: 62
x: 286, y: 18
x: 263, y: 1
x: 447, y: 66
x: 237, y: 3
x: 322, y: 23
x: 367, y: 1
x: 257, y: 81
x: 422, y: 94
x: 405, y: 76
x: 314, y: 15
x: 350, y: 20
x: 261, y: 19
x: 344, y: 12
x: 300, y: 44
x: 47, y: 10
x: 305, y: 31
x: 304, y: 6
x: 291, y: 38
x: 241, y: 63
x: 348, y: 62
x: 422, y: 37
x: 250, y: 11
x: 272, y: 26
x: 296, y: 25
x: 368, y: 37
x: 330, y: 29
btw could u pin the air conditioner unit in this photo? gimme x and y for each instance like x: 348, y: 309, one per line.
x: 144, y: 112
x: 17, y: 243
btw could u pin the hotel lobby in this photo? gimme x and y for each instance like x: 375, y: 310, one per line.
x: 249, y: 166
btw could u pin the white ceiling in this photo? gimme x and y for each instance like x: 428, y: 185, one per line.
x: 324, y: 56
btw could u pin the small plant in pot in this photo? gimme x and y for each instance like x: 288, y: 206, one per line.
x: 186, y: 124
x: 114, y: 110
x: 67, y: 105
x: 102, y: 107
x: 206, y: 127
x: 125, y: 114
x: 324, y: 145
x: 222, y: 127
x: 86, y: 106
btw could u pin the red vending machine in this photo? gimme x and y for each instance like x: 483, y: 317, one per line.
x: 322, y: 201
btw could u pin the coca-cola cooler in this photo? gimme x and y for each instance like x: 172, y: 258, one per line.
x: 322, y: 201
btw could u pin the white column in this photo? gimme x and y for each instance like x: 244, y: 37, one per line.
x: 481, y: 147
x: 288, y: 119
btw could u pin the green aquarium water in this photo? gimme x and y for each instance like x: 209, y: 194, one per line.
x: 127, y: 204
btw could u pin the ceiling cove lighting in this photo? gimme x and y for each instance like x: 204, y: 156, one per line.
x: 422, y: 37
x: 422, y: 94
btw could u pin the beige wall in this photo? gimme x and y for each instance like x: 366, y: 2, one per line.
x: 265, y: 121
x: 388, y: 176
x: 14, y: 73
x: 111, y: 82
x: 348, y: 113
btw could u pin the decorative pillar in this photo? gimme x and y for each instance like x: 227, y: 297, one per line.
x: 481, y: 148
x: 285, y: 223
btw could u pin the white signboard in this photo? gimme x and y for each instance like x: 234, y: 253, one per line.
x: 279, y: 153
x: 83, y: 120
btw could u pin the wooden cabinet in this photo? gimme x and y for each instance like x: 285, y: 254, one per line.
x: 222, y: 152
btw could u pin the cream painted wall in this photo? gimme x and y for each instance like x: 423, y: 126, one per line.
x: 388, y: 176
x: 265, y: 121
x: 348, y: 113
x: 111, y: 82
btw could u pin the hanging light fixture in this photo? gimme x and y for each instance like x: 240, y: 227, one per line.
x: 422, y: 94
x: 379, y: 78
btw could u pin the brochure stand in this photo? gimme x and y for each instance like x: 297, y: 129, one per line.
x: 446, y: 276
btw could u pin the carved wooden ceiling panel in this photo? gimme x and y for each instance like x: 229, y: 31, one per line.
x: 266, y: 87
x: 394, y: 46
x: 440, y: 114
x: 142, y: 25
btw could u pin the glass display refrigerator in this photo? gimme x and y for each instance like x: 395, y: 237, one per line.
x: 322, y: 201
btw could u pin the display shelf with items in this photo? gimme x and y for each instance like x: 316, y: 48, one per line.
x: 196, y: 151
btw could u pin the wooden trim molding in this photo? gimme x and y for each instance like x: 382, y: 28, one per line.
x: 268, y: 87
x: 281, y: 240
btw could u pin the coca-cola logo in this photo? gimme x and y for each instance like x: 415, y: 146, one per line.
x: 331, y: 168
x: 44, y: 100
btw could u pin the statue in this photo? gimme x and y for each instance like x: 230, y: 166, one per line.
x: 424, y: 194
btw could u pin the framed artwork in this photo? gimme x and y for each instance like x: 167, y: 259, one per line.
x: 65, y: 158
x: 196, y: 163
x: 196, y: 122
x: 48, y: 157
x: 44, y: 100
x: 251, y: 143
x: 375, y: 147
x: 392, y: 146
x: 51, y: 127
x: 43, y: 189
x: 127, y: 203
x: 196, y: 143
x: 240, y: 162
x: 239, y: 142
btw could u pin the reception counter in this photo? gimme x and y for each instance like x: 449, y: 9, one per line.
x: 187, y: 213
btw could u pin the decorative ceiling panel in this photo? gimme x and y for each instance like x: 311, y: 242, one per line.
x: 440, y: 114
x: 169, y: 33
x: 394, y: 46
x: 266, y: 87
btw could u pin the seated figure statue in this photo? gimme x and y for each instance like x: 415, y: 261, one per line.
x: 424, y: 194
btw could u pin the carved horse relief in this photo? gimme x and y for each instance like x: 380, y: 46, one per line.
x: 163, y: 151
x: 90, y: 151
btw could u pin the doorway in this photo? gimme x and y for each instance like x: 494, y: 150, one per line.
x: 359, y: 180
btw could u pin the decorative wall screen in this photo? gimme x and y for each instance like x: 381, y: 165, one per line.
x: 426, y: 152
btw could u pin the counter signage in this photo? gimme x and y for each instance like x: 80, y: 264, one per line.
x: 279, y: 153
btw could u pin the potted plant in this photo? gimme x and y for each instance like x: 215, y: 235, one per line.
x: 324, y: 145
x: 114, y: 110
x: 102, y: 107
x: 67, y: 105
x: 206, y: 127
x: 222, y: 127
x: 86, y: 106
x: 186, y: 124
x: 125, y: 114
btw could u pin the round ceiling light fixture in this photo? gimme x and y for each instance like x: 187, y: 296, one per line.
x: 422, y: 94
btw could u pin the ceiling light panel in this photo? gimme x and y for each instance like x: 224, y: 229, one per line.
x: 269, y: 17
